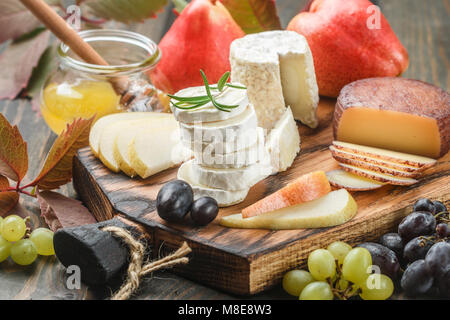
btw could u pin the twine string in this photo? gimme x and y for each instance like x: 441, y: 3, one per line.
x: 137, y: 268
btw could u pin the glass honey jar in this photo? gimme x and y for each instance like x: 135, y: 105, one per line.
x: 81, y: 90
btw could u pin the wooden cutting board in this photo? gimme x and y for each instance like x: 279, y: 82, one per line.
x: 250, y: 261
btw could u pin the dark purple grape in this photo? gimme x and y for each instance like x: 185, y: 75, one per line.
x: 204, y: 210
x: 392, y: 241
x: 416, y: 249
x: 416, y: 279
x: 437, y: 259
x: 424, y: 205
x: 443, y: 283
x: 416, y: 224
x: 383, y: 257
x: 439, y: 207
x: 443, y: 230
x: 174, y: 200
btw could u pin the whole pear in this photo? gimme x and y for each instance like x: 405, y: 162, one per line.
x: 349, y: 40
x: 199, y: 38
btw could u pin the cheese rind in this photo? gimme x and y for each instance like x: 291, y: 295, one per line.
x: 335, y: 208
x: 283, y: 142
x: 398, y: 114
x: 278, y: 70
x: 224, y: 198
x: 381, y: 177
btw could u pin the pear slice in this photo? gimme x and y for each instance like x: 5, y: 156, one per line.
x: 156, y: 149
x: 102, y: 123
x: 381, y: 177
x: 335, y: 208
x: 351, y: 182
x: 384, y: 154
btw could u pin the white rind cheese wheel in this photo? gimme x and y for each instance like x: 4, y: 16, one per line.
x: 209, y: 113
x: 278, y: 70
x: 224, y: 198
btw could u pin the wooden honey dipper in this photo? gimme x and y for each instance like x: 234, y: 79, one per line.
x: 73, y: 40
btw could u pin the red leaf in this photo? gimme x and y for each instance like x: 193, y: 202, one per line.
x: 60, y: 211
x: 254, y: 15
x: 8, y: 199
x: 15, y: 20
x: 17, y: 63
x: 13, y: 151
x: 57, y: 169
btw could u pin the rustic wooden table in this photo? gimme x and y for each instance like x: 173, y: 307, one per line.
x: 422, y: 26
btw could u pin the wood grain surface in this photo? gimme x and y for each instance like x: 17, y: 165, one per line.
x: 422, y: 26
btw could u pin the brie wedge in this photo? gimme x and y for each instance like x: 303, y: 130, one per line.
x: 208, y: 157
x: 231, y: 179
x: 335, y: 208
x: 209, y: 113
x: 283, y: 142
x: 278, y: 70
x: 224, y: 198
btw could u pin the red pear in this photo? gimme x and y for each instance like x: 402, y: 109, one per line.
x: 199, y: 38
x: 349, y: 40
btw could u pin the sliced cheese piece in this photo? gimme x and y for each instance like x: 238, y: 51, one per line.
x: 283, y: 142
x: 397, y: 114
x: 342, y: 179
x: 221, y: 131
x: 335, y: 208
x: 231, y: 179
x: 381, y: 177
x: 209, y: 113
x: 359, y: 157
x: 157, y: 149
x: 238, y: 159
x: 278, y: 70
x: 224, y: 198
x: 388, y: 155
x: 377, y: 168
x: 100, y: 124
x: 305, y: 188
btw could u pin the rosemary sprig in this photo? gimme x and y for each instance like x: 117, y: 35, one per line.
x: 188, y: 103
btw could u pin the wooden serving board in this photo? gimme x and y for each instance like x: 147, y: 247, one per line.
x: 250, y: 261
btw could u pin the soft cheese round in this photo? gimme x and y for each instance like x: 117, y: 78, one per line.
x: 224, y: 198
x: 209, y: 113
x: 237, y: 159
x: 231, y: 179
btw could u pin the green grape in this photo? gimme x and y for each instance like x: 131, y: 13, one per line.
x: 295, y: 280
x: 342, y: 284
x: 1, y: 224
x: 339, y: 250
x: 13, y: 228
x: 317, y: 290
x: 24, y: 252
x: 43, y: 240
x: 321, y: 264
x: 377, y: 287
x: 5, y: 249
x: 356, y: 264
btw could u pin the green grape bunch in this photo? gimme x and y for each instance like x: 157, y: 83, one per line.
x: 23, y: 247
x: 338, y: 272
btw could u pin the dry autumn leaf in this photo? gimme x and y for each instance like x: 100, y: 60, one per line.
x: 8, y: 199
x: 13, y: 151
x: 57, y: 169
x: 254, y: 15
x: 60, y: 211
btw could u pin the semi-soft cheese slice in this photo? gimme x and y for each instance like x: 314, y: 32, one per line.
x: 283, y: 142
x: 335, y: 208
x: 397, y: 114
x: 208, y: 113
x: 351, y: 182
x: 278, y: 70
x: 224, y: 198
x: 381, y: 177
x: 231, y: 179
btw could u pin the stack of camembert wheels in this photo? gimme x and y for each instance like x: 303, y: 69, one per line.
x: 220, y: 127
